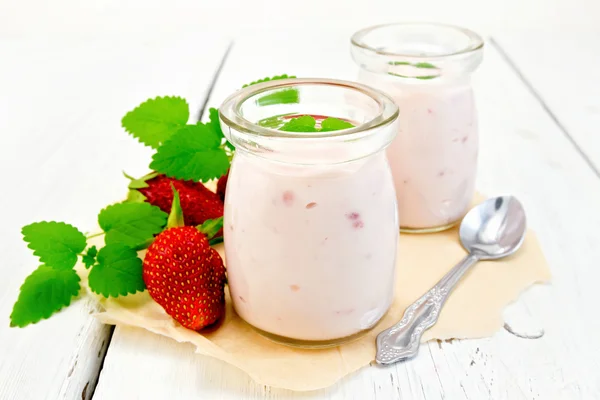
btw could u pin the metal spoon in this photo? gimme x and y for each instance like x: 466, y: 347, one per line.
x: 492, y: 230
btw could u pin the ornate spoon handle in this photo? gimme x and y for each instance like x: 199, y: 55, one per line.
x: 402, y: 340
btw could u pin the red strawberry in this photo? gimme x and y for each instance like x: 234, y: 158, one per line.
x: 197, y: 202
x: 222, y: 185
x: 186, y: 277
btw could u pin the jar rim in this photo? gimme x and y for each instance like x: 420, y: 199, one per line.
x: 230, y: 110
x: 475, y: 41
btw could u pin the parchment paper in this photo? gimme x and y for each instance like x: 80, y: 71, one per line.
x: 473, y: 310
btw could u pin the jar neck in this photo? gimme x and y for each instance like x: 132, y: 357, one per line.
x: 314, y: 151
x: 421, y: 52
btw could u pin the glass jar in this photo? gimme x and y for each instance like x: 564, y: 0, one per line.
x: 426, y: 69
x: 311, y: 226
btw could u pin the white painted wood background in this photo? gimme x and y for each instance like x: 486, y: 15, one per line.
x: 64, y: 88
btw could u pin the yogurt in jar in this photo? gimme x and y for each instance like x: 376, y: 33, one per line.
x: 426, y: 69
x: 311, y: 220
x: 311, y: 252
x: 434, y: 156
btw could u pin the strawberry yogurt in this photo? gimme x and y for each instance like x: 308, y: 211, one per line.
x: 426, y: 69
x: 311, y: 227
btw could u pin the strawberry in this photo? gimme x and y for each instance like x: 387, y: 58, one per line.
x: 198, y: 203
x: 222, y: 185
x: 186, y: 277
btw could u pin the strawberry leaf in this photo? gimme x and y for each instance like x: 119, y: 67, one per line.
x: 56, y: 244
x: 155, y: 120
x: 334, y: 124
x: 176, y: 215
x: 118, y: 272
x: 89, y: 258
x: 210, y: 227
x: 193, y: 153
x: 44, y: 292
x: 135, y: 196
x: 131, y: 224
x: 140, y: 183
x: 305, y: 123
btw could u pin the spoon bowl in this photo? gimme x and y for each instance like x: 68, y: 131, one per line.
x: 495, y: 228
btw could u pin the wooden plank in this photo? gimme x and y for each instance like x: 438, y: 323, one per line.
x: 562, y: 69
x: 561, y: 195
x: 62, y: 154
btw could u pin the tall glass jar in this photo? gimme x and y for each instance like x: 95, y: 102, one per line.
x: 426, y: 68
x: 311, y: 227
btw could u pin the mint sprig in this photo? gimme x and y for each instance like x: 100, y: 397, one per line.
x: 56, y: 244
x: 44, y: 292
x: 131, y: 224
x: 117, y: 273
x: 193, y: 153
x: 156, y: 120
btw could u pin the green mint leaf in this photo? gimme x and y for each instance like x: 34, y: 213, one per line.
x: 176, y: 216
x: 44, y: 292
x: 334, y: 124
x: 267, y: 79
x: 283, y: 96
x: 398, y: 63
x: 131, y: 224
x: 215, y: 123
x: 118, y: 272
x: 155, y: 120
x: 305, y: 123
x: 210, y: 227
x: 193, y: 153
x: 140, y: 183
x: 427, y: 77
x: 135, y: 196
x: 89, y: 258
x: 56, y: 244
x: 424, y: 65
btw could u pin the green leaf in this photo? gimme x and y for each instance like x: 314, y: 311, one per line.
x: 424, y: 65
x: 131, y: 224
x: 44, y: 292
x: 210, y: 227
x: 56, y: 244
x: 89, y: 258
x: 155, y: 120
x: 283, y: 96
x: 215, y: 123
x: 305, y: 123
x: 135, y: 196
x: 398, y: 63
x: 140, y: 183
x: 193, y: 153
x: 334, y: 124
x: 176, y: 216
x: 118, y: 272
x: 267, y: 79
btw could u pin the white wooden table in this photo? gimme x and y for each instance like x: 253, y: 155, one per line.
x: 63, y: 150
